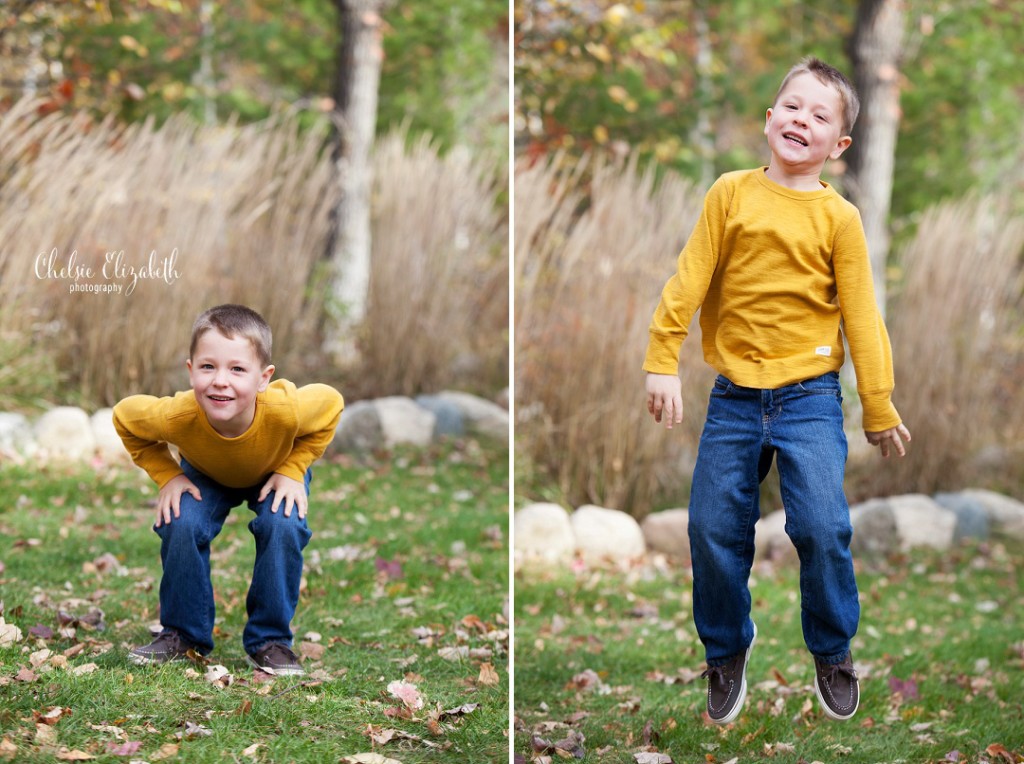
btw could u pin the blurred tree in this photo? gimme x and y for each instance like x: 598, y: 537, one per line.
x: 876, y: 49
x: 356, y: 80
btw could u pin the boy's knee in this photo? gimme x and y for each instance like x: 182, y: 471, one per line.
x: 277, y: 525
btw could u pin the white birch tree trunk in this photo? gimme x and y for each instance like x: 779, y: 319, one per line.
x: 357, y: 81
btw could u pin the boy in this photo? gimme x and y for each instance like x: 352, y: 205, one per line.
x: 241, y: 438
x: 775, y: 262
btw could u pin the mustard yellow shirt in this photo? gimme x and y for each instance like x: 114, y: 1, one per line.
x: 291, y: 429
x: 774, y: 271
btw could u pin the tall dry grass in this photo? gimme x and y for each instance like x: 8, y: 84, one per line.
x: 593, y: 248
x: 246, y: 210
x: 437, y: 314
x: 957, y: 329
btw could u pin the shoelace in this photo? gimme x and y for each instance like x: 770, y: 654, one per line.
x: 840, y: 668
x: 715, y: 673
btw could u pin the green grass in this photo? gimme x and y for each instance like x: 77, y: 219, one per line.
x: 440, y: 514
x: 949, y: 623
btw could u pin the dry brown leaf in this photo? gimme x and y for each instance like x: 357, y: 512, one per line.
x: 368, y: 758
x: 7, y: 749
x: 26, y: 675
x: 74, y: 755
x: 45, y: 734
x: 252, y: 749
x: 998, y: 749
x: 488, y: 675
x: 312, y: 650
x: 167, y: 751
x: 85, y: 668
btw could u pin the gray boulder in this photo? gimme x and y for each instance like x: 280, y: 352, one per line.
x: 603, y: 533
x: 883, y: 526
x: 971, y: 520
x: 771, y: 542
x: 65, y: 433
x: 358, y: 430
x: 16, y: 435
x: 403, y: 422
x: 1005, y: 515
x: 666, y: 532
x: 448, y: 418
x: 482, y: 417
x: 108, y: 442
x: 543, y: 535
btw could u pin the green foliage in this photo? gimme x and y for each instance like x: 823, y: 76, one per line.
x: 621, y: 77
x: 141, y: 58
x: 451, y: 554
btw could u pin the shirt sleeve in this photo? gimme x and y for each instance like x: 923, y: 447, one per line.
x: 139, y: 421
x: 319, y: 410
x: 686, y: 288
x: 864, y: 327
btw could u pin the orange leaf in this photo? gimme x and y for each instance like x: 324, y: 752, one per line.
x: 488, y: 676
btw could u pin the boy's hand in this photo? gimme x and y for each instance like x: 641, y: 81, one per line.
x: 890, y: 437
x: 665, y: 398
x: 170, y: 498
x: 287, y: 492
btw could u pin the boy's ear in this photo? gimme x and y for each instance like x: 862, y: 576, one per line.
x: 265, y: 377
x: 767, y: 121
x: 841, y: 145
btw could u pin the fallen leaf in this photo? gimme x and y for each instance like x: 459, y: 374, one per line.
x: 45, y: 735
x: 41, y: 632
x: 167, y: 751
x: 26, y: 675
x: 390, y: 568
x: 488, y: 675
x: 407, y: 693
x: 127, y: 748
x: 462, y: 710
x: 652, y: 758
x: 571, y: 746
x: 252, y: 749
x: 75, y: 755
x: 52, y: 715
x: 9, y: 633
x: 454, y: 653
x: 7, y: 749
x: 192, y: 731
x: 219, y: 676
x: 906, y: 689
x: 85, y: 668
x: 312, y: 650
x: 368, y: 758
x: 998, y: 749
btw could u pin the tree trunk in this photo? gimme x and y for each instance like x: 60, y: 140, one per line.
x: 357, y: 78
x: 876, y: 50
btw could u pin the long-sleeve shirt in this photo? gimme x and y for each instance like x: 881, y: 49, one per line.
x: 774, y: 271
x: 291, y: 429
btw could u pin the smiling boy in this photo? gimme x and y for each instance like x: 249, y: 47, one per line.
x: 778, y: 266
x: 241, y: 438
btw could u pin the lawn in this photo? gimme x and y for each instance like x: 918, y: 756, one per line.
x: 406, y: 580
x: 608, y: 666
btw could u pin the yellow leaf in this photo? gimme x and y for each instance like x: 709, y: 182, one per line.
x: 599, y: 51
x: 601, y: 134
x: 618, y: 93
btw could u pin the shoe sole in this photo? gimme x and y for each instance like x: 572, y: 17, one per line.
x: 731, y: 716
x: 276, y: 671
x: 825, y: 707
x: 142, y: 660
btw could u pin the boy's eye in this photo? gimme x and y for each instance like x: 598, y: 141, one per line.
x: 237, y: 368
x: 206, y: 366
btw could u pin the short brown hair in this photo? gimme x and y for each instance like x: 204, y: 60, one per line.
x: 235, y: 321
x: 828, y: 75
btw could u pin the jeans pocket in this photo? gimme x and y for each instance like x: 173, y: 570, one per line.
x: 723, y: 388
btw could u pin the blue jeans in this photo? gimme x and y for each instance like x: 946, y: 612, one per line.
x: 801, y: 426
x: 186, y: 593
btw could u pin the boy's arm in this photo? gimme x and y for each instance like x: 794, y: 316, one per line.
x: 319, y: 409
x: 864, y: 328
x: 685, y: 290
x: 137, y: 421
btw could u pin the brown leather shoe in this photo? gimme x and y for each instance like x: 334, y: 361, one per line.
x: 727, y: 686
x: 838, y: 687
x: 167, y: 647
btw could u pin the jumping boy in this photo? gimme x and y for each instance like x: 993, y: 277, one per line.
x: 241, y: 438
x: 776, y: 261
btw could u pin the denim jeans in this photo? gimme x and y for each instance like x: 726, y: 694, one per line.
x: 801, y: 426
x: 186, y: 592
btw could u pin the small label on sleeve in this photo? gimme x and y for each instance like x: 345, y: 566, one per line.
x: 823, y: 350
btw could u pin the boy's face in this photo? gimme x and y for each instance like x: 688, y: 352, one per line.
x: 225, y: 375
x: 804, y: 127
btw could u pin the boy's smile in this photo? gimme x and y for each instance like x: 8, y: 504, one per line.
x: 225, y: 375
x: 804, y: 128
